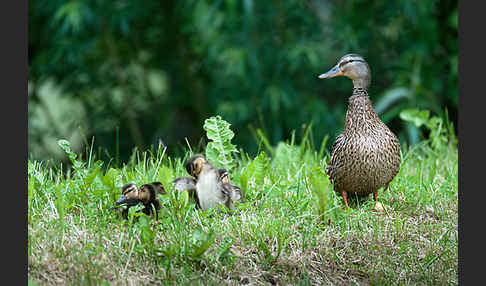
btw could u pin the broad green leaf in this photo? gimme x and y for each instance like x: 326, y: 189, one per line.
x: 165, y: 175
x: 88, y: 180
x: 390, y: 97
x: 109, y: 178
x: 220, y: 148
x: 201, y: 241
x: 415, y: 116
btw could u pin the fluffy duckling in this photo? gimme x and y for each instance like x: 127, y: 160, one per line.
x: 145, y: 195
x: 189, y: 184
x: 233, y: 190
x: 210, y: 189
x: 130, y: 200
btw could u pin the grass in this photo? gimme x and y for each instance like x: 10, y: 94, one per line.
x: 279, y: 237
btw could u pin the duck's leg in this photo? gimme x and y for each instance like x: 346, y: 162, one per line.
x: 345, y: 198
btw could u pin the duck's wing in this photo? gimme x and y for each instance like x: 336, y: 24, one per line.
x: 187, y: 184
x: 340, y: 140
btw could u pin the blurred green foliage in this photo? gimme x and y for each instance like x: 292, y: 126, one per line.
x: 144, y: 73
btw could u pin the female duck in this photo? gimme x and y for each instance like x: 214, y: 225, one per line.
x: 366, y: 156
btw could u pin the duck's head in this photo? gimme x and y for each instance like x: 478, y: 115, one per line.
x: 354, y: 67
x: 147, y: 193
x: 195, y: 164
x: 159, y: 188
x: 129, y: 195
x: 223, y: 175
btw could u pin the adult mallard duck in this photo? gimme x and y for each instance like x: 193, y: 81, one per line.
x: 210, y: 189
x: 366, y: 156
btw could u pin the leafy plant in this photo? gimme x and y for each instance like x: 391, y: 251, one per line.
x: 440, y: 131
x: 224, y: 251
x: 320, y: 185
x: 271, y: 232
x: 147, y: 235
x: 201, y: 241
x: 254, y: 173
x: 220, y: 149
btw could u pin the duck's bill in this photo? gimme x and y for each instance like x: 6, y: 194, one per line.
x: 332, y: 73
x: 127, y: 201
x: 120, y: 200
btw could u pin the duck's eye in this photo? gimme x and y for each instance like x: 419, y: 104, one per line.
x: 346, y: 62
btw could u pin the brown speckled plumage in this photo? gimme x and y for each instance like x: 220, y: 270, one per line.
x: 366, y: 156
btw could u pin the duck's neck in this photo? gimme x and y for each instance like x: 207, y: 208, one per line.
x: 359, y: 91
x: 360, y: 111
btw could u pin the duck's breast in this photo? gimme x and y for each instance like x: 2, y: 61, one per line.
x: 363, y: 164
x: 208, y: 192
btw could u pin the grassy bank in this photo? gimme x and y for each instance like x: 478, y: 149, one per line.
x: 278, y: 237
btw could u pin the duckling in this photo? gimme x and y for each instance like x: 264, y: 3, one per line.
x: 366, y: 156
x: 128, y: 189
x: 145, y: 195
x: 159, y: 188
x: 233, y: 190
x: 187, y: 184
x: 210, y: 189
x: 127, y: 198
